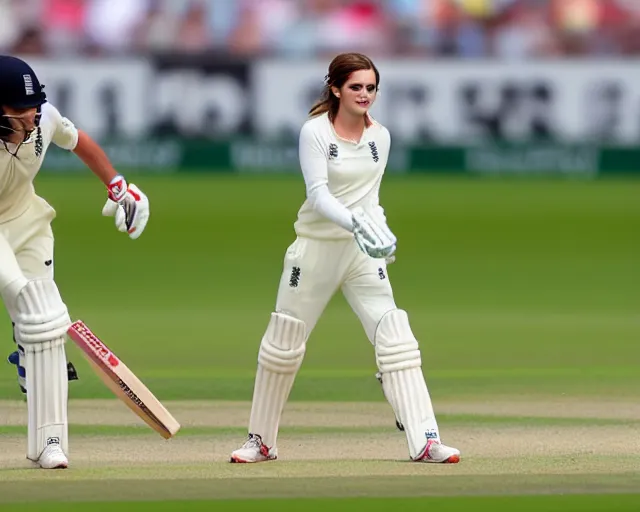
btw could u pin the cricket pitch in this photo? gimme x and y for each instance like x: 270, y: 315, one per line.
x: 331, y: 450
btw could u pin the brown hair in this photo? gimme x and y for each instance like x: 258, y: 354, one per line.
x: 340, y: 69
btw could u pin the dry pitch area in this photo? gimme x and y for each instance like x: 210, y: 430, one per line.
x: 344, y: 449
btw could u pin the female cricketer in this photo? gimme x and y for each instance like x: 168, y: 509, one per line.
x: 28, y: 125
x: 342, y: 242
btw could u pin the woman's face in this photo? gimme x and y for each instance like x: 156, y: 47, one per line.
x: 359, y: 92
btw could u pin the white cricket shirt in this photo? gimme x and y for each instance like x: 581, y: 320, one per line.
x: 18, y: 172
x: 339, y: 175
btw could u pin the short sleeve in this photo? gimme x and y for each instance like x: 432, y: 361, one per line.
x: 65, y: 134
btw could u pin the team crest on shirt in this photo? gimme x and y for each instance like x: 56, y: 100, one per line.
x: 294, y: 280
x: 374, y: 151
x: 39, y: 144
x: 33, y: 147
x: 333, y: 151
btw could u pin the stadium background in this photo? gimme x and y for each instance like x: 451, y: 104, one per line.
x: 513, y: 189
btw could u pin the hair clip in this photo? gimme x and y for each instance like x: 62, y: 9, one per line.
x: 326, y: 79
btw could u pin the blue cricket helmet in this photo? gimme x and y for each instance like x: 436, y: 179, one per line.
x: 19, y: 85
x: 19, y: 88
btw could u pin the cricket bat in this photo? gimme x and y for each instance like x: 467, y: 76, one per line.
x: 122, y: 381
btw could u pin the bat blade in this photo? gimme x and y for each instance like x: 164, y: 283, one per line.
x: 123, y: 382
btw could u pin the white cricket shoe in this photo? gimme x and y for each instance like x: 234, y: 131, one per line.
x: 253, y: 450
x: 53, y: 458
x: 435, y: 451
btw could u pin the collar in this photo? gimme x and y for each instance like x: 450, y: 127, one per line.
x: 371, y: 122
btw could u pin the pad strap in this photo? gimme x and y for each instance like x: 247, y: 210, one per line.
x: 282, y: 347
x: 41, y: 314
x: 396, y: 346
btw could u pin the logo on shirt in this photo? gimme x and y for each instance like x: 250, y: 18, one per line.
x: 374, y: 151
x: 381, y: 273
x: 28, y: 85
x: 39, y: 144
x: 294, y: 280
x: 333, y: 151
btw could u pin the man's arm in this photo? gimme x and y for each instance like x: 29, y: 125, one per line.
x: 94, y: 157
x: 125, y: 202
x: 67, y: 136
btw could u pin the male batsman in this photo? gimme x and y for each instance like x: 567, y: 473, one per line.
x: 28, y: 125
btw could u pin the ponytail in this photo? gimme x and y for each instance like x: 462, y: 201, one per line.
x: 328, y: 102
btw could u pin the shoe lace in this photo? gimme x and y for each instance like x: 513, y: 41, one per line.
x: 254, y: 441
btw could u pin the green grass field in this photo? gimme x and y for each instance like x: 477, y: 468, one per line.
x: 523, y: 294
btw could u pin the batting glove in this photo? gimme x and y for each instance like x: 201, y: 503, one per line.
x: 374, y: 239
x: 129, y: 205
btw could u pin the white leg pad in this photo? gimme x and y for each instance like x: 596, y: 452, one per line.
x: 281, y: 353
x: 41, y: 322
x: 399, y: 361
x: 47, y: 393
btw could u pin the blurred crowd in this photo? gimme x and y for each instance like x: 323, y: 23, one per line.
x: 504, y: 29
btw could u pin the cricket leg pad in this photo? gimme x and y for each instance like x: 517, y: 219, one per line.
x: 41, y: 323
x: 400, y: 363
x: 279, y: 358
x: 399, y: 425
x: 17, y: 359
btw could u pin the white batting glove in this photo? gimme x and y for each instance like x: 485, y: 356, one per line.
x: 129, y: 205
x: 382, y: 219
x: 373, y: 238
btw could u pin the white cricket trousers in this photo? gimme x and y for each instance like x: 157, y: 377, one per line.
x: 26, y: 253
x: 314, y: 270
x: 26, y: 245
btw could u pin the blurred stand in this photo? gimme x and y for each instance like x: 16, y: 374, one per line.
x: 430, y: 29
x: 480, y: 85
